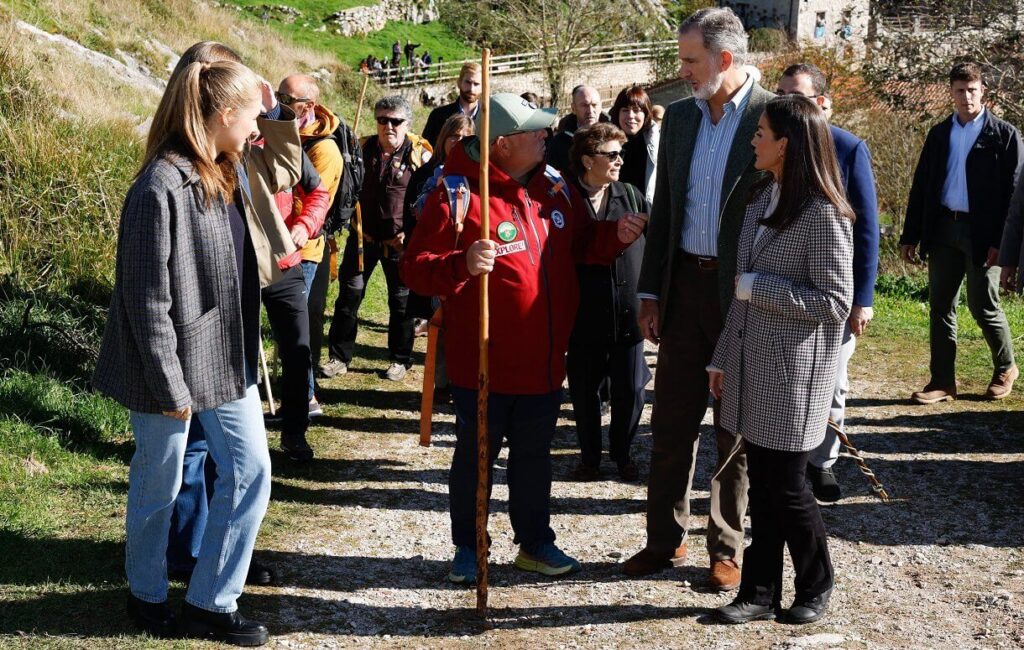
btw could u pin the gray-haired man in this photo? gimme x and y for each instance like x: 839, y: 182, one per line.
x: 390, y: 157
x: 705, y: 171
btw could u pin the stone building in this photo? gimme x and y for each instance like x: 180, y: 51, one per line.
x: 824, y: 22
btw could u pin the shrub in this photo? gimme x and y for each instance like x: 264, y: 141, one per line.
x: 767, y: 39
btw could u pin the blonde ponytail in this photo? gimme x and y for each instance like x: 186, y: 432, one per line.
x: 195, y: 94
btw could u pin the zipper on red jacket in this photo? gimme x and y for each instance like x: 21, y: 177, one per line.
x: 526, y: 235
x: 547, y: 287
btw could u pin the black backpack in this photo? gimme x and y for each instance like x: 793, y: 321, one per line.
x: 351, y: 181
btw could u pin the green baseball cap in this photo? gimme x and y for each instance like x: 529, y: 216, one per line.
x: 511, y: 114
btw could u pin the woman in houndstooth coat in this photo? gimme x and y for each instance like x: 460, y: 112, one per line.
x: 774, y: 365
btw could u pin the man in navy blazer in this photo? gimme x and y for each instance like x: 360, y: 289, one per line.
x: 859, y: 181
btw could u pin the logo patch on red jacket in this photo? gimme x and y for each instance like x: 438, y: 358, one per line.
x: 514, y: 247
x: 558, y: 219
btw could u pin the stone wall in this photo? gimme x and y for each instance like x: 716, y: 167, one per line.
x: 366, y: 20
x: 817, y: 21
x: 609, y: 79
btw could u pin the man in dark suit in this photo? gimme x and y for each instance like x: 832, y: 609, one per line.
x: 468, y: 102
x: 859, y: 182
x: 705, y: 171
x: 956, y: 211
x: 586, y: 111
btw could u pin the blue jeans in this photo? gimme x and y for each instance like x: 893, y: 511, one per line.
x: 308, y: 273
x: 527, y: 422
x: 237, y: 443
x: 192, y: 506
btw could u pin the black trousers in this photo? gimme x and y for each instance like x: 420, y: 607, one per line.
x: 527, y: 422
x: 624, y: 366
x: 318, y: 306
x: 783, y: 512
x: 341, y: 339
x: 285, y: 301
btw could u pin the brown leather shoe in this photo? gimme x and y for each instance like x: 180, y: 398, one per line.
x: 1002, y: 383
x: 725, y: 575
x: 647, y: 561
x: 932, y: 394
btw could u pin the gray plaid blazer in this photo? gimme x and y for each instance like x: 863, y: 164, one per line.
x: 779, y: 349
x: 174, y: 332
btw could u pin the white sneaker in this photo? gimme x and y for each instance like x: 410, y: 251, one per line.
x: 396, y: 372
x: 314, y: 408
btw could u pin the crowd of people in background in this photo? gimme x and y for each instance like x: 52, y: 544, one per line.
x: 417, y: 66
x: 736, y: 231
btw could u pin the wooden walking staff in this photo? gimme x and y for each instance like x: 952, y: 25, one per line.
x: 483, y: 453
x: 429, y: 370
x: 359, y: 209
x: 876, y: 485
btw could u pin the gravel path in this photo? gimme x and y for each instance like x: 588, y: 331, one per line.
x: 364, y: 559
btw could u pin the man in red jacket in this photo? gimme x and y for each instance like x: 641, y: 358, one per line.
x: 539, y: 231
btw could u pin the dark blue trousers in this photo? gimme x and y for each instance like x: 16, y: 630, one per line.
x: 191, y: 508
x: 527, y: 423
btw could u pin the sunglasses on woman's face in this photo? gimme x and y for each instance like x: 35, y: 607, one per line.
x: 393, y: 121
x: 288, y: 100
x: 612, y: 156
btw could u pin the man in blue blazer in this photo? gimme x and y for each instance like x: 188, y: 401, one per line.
x: 859, y: 180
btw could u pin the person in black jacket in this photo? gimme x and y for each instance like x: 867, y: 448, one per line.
x: 632, y: 112
x: 586, y: 111
x: 956, y: 211
x: 606, y: 340
x: 468, y: 102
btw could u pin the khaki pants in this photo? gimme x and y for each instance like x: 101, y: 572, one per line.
x: 688, y: 339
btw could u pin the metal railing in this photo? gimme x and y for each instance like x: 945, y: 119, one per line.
x: 441, y: 71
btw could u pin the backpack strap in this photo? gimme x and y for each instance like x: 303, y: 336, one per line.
x: 457, y: 189
x: 558, y: 183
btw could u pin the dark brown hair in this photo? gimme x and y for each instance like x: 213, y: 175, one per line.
x: 966, y: 71
x: 586, y: 141
x: 810, y: 167
x: 818, y: 81
x: 636, y: 97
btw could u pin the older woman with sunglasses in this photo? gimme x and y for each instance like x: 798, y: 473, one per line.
x: 606, y: 340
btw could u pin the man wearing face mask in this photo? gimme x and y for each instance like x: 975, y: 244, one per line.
x: 316, y: 127
x: 586, y: 111
x: 390, y: 158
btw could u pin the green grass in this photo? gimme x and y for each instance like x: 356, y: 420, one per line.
x: 436, y: 37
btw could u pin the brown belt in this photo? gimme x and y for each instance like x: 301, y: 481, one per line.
x: 701, y: 262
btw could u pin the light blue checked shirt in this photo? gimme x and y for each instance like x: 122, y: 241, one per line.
x: 704, y: 185
x: 961, y: 141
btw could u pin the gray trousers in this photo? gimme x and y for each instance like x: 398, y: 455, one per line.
x: 949, y: 261
x: 826, y: 454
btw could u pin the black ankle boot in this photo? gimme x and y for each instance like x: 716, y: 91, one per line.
x: 744, y: 611
x: 232, y: 628
x: 808, y: 610
x: 824, y: 484
x: 260, y: 575
x: 155, y: 619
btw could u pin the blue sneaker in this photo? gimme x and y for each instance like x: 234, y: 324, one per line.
x: 547, y: 560
x: 463, y: 566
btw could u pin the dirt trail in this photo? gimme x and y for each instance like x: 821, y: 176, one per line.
x: 364, y: 563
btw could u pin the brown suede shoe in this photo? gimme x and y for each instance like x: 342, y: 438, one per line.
x: 647, y: 561
x: 1002, y: 383
x: 932, y: 394
x: 725, y: 575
